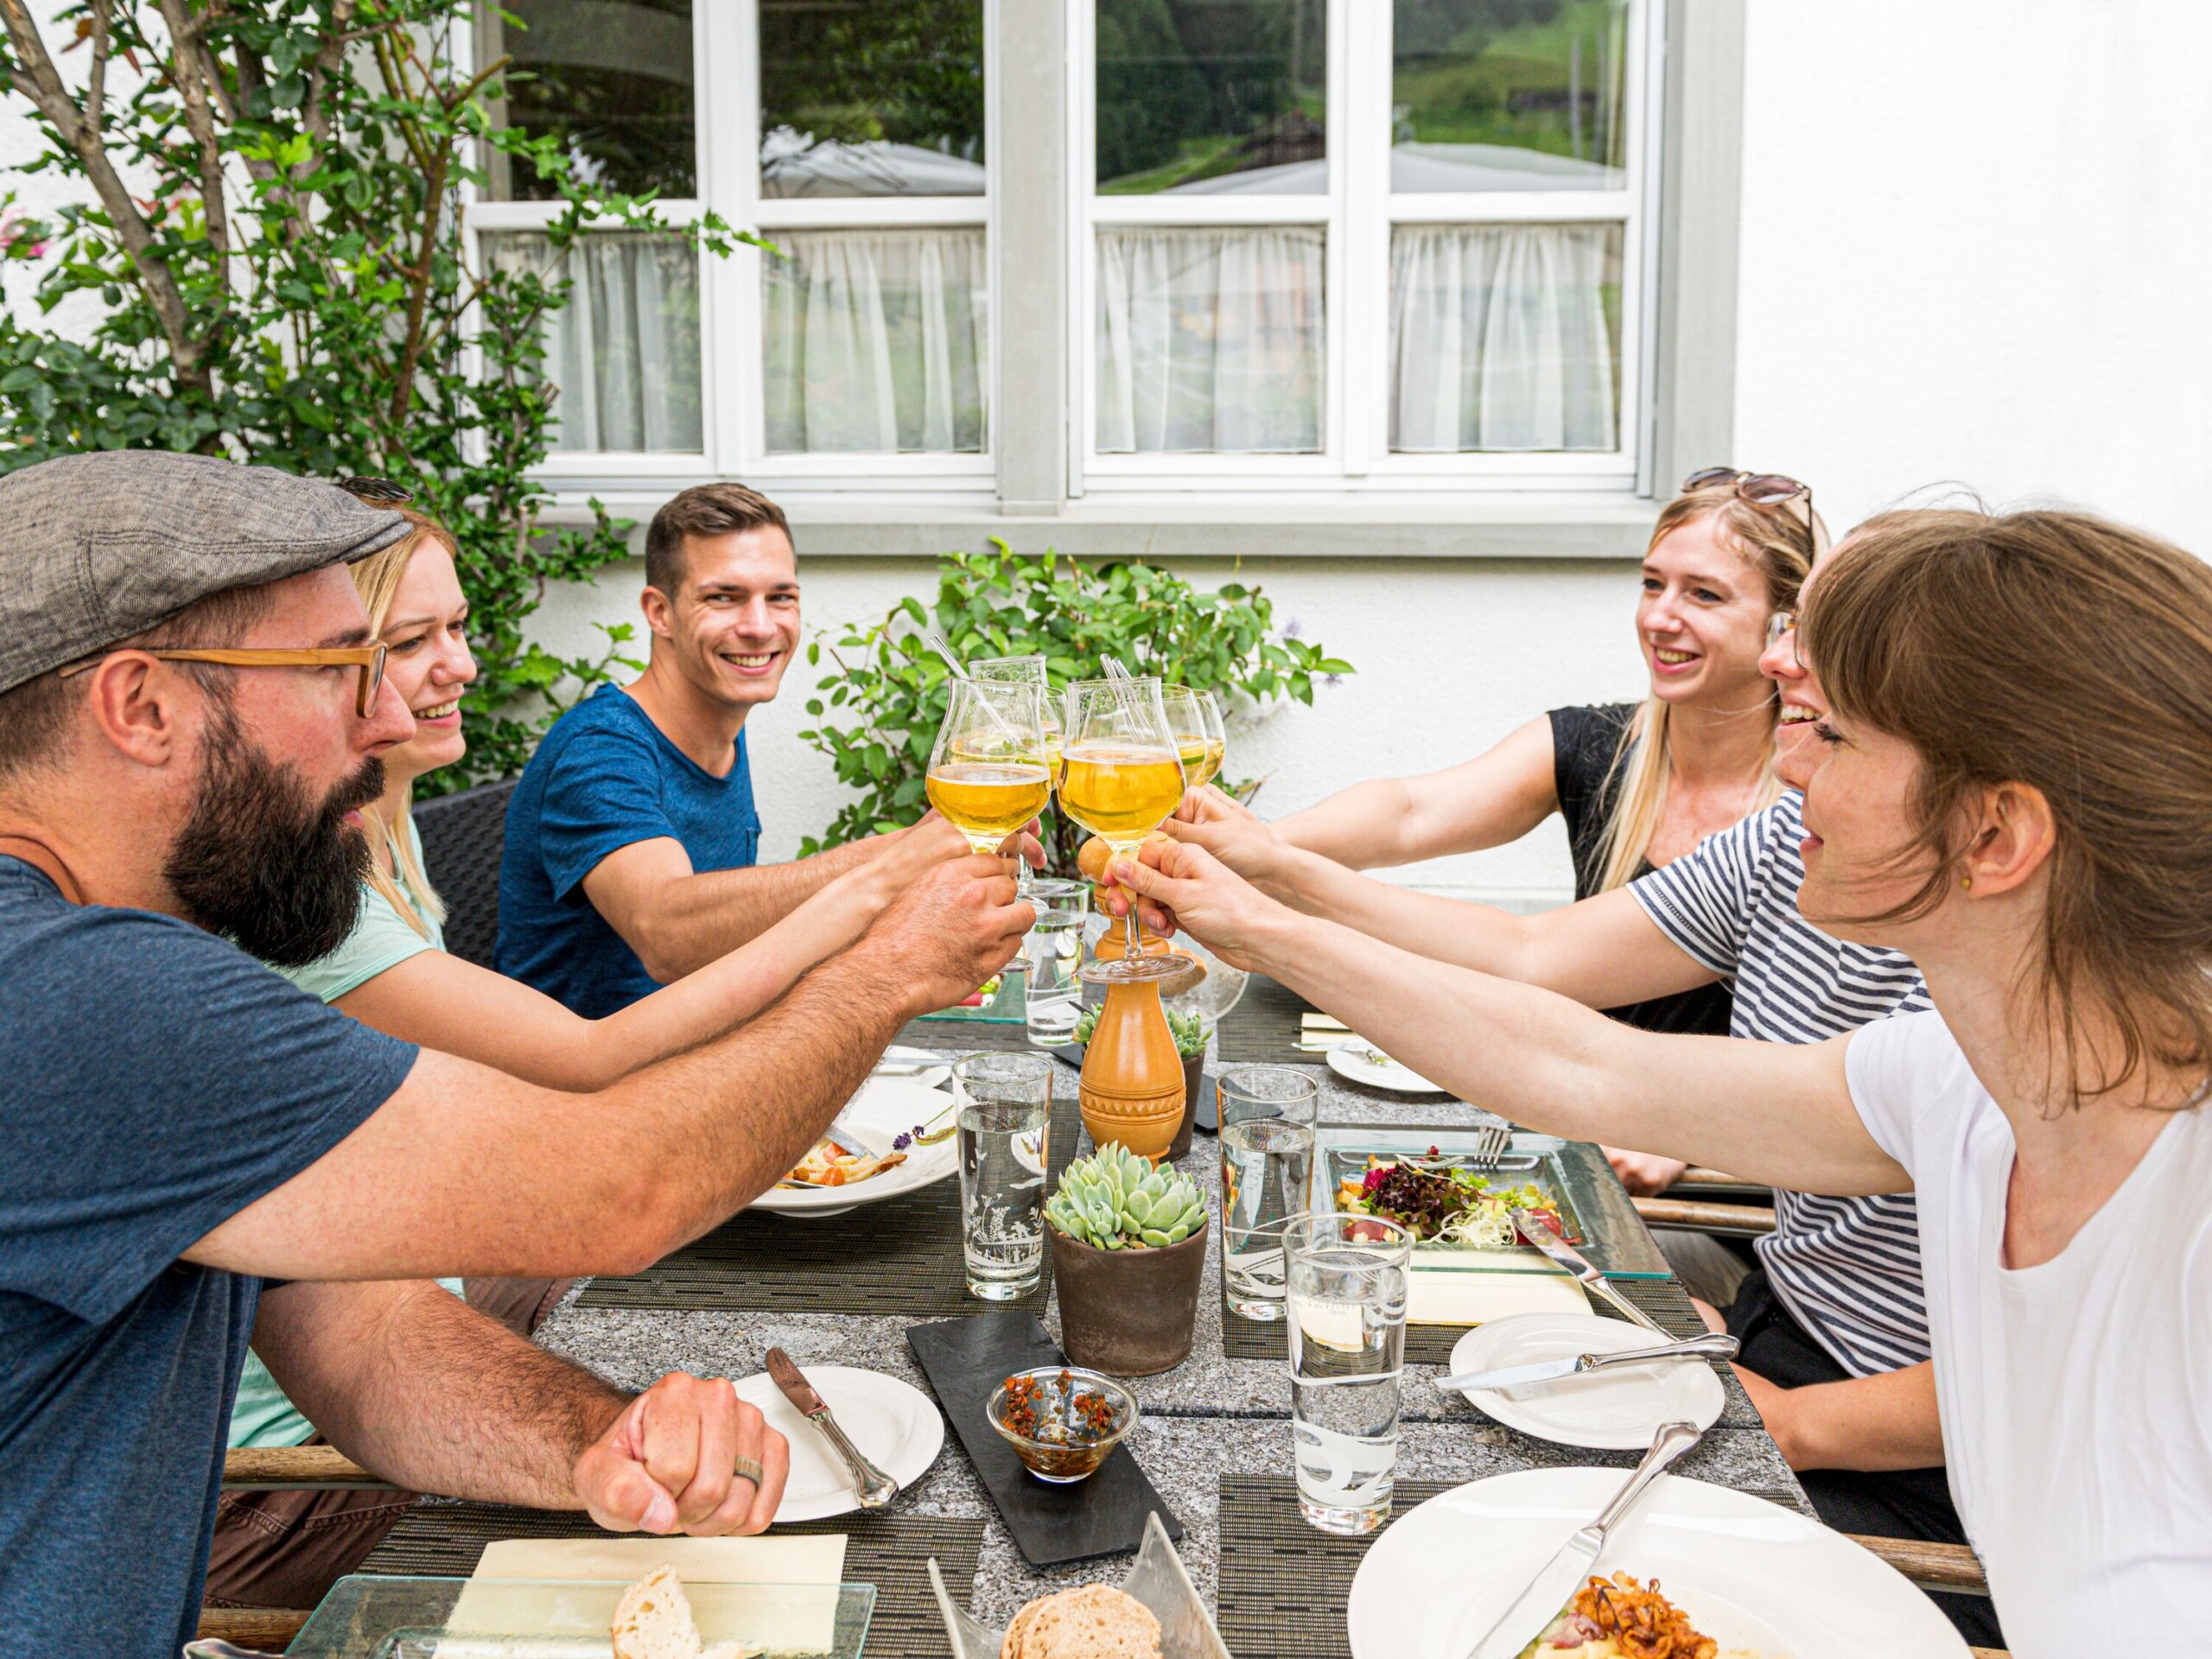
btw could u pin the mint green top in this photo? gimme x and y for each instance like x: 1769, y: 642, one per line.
x: 382, y: 938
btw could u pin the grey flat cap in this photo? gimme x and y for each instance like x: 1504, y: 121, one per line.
x: 96, y: 548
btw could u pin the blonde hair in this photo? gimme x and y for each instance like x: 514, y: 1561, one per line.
x: 1782, y: 550
x: 377, y: 579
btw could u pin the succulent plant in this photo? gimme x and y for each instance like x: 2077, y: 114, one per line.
x: 1114, y: 1200
x: 1188, y: 1030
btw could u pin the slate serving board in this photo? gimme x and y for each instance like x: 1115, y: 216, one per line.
x: 964, y: 1360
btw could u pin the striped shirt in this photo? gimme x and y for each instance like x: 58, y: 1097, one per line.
x: 1848, y: 1269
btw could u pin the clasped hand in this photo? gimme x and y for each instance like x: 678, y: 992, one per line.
x: 666, y: 1464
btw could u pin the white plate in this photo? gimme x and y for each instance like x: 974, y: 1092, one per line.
x: 1353, y: 1060
x: 1749, y: 1574
x: 885, y: 1107
x: 895, y: 1425
x: 1615, y: 1411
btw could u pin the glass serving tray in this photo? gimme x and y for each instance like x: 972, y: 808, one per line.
x: 1592, y: 1203
x: 374, y: 1615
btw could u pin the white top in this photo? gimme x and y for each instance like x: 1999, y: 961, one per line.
x: 2076, y: 1395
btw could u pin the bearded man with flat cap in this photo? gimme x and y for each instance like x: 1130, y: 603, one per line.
x: 200, y: 1155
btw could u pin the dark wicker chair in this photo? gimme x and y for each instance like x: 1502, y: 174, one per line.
x: 462, y: 836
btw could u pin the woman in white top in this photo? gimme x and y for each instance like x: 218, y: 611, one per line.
x: 2014, y: 788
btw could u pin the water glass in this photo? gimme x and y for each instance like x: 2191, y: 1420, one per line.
x: 1347, y: 1324
x: 1052, y: 954
x: 1005, y: 1117
x: 1267, y: 1164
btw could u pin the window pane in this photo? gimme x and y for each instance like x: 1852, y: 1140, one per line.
x: 624, y: 352
x: 877, y: 341
x: 614, y: 78
x: 1212, y: 97
x: 1509, y: 95
x: 881, y: 99
x: 1505, y: 337
x: 1210, y: 340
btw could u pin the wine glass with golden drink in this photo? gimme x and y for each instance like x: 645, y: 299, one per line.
x: 1029, y: 670
x: 1121, y: 775
x: 988, y: 774
x: 1201, y: 741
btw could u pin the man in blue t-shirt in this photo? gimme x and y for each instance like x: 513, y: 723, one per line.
x: 200, y: 1155
x: 631, y: 837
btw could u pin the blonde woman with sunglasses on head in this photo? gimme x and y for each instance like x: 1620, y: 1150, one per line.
x: 393, y: 973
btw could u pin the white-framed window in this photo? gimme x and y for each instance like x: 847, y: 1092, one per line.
x: 854, y: 137
x: 1399, y: 245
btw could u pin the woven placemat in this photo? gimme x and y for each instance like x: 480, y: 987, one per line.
x: 1284, y: 1587
x: 891, y: 1552
x: 901, y: 1257
x: 1664, y: 1299
x: 1262, y: 1028
x: 957, y: 1037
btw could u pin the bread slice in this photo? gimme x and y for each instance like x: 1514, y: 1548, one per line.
x: 1010, y: 1645
x: 1095, y: 1621
x: 653, y: 1619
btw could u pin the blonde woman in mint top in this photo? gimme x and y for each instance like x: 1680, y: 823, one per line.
x: 393, y: 973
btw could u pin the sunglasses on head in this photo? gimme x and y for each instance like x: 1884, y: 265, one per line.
x: 1760, y: 489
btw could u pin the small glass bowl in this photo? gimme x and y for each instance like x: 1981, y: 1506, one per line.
x: 1063, y: 1462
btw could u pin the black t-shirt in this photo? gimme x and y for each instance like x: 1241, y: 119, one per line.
x: 1587, y: 761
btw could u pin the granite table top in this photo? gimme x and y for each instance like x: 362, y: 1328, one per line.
x: 1210, y: 1416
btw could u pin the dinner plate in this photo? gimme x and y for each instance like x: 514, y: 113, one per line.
x: 1355, y: 1061
x: 1750, y: 1574
x: 884, y: 1107
x: 1613, y: 1410
x: 895, y: 1425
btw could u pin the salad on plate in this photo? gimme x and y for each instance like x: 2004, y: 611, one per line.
x: 1444, y: 1203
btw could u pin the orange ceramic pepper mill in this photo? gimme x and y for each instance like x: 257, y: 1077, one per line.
x: 1132, y: 1077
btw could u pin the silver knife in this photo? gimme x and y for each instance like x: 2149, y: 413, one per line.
x: 875, y: 1488
x: 1714, y: 1346
x: 1545, y: 1237
x: 1548, y: 1593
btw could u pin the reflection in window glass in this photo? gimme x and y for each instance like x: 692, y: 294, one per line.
x: 1212, y: 97
x: 614, y: 78
x: 876, y: 340
x: 883, y: 98
x: 1505, y: 337
x: 1210, y: 340
x: 1509, y: 95
x: 623, y: 354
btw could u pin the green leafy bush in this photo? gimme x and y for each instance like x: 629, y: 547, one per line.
x: 891, y: 687
x: 270, y: 243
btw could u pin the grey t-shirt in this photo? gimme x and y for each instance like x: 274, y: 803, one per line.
x: 1848, y: 1268
x: 158, y: 1080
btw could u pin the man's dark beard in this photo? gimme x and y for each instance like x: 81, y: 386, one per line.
x: 260, y: 862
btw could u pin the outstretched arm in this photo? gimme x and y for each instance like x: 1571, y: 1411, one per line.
x: 1497, y: 797
x: 443, y: 1002
x: 417, y: 1387
x: 1771, y: 1112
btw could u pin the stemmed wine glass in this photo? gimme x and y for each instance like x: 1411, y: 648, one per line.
x: 1027, y: 669
x: 1121, y: 775
x: 1200, y: 738
x: 987, y: 773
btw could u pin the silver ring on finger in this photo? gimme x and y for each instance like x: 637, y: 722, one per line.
x: 747, y: 1469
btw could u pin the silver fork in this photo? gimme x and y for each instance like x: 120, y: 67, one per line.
x: 1492, y: 1142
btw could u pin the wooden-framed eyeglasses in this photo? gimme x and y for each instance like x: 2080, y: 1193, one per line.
x: 369, y: 659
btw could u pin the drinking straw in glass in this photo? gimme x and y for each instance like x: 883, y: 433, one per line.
x: 1121, y: 775
x: 1005, y: 1137
x: 1347, y: 1324
x: 987, y: 770
x: 1266, y: 1168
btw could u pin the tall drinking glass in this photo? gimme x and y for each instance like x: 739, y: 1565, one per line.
x: 987, y: 770
x: 1121, y: 774
x: 1006, y: 1119
x: 1347, y: 1308
x: 1054, y: 952
x: 1201, y: 739
x: 1267, y: 1166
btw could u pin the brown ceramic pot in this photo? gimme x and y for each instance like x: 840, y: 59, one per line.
x: 1194, y: 1074
x: 1127, y: 1313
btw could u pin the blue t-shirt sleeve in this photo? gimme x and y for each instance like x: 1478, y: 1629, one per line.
x: 603, y: 794
x: 160, y: 1081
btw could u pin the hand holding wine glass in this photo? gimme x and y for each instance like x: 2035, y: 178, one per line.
x: 1121, y: 775
x: 988, y: 774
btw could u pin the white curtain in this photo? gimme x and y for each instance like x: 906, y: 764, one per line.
x: 1501, y: 337
x: 1210, y: 340
x: 624, y: 352
x: 876, y: 340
